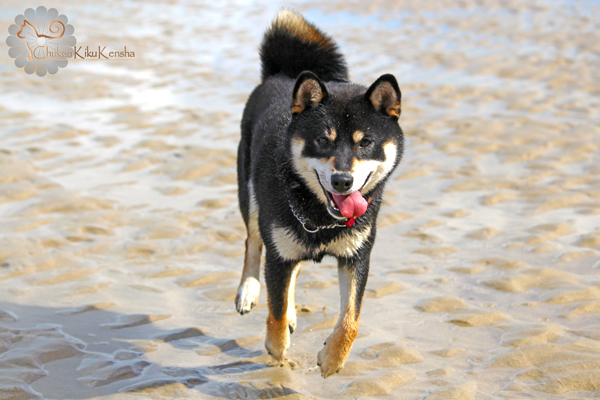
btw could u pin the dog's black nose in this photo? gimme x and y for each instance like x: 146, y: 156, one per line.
x: 342, y: 182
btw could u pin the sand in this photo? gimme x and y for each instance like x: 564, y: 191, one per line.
x: 121, y: 244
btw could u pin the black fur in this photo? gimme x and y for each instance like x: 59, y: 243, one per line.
x: 282, y: 52
x: 265, y: 151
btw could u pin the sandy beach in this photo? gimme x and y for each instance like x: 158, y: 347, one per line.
x: 121, y: 242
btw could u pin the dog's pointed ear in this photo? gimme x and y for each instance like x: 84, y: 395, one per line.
x: 309, y: 91
x: 385, y: 96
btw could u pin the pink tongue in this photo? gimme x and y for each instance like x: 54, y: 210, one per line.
x: 352, y: 205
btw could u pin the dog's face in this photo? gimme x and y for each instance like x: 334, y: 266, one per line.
x: 345, y: 141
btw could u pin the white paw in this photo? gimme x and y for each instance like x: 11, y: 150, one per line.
x: 247, y: 295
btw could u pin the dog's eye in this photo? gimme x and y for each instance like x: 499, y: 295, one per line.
x: 322, y: 141
x: 365, y: 142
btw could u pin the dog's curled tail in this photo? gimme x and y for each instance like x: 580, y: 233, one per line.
x: 292, y: 45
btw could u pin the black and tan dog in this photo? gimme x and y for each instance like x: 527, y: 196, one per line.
x: 313, y: 160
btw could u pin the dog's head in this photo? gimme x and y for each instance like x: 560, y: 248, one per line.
x: 345, y: 141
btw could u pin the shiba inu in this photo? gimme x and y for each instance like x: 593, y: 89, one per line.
x: 315, y: 153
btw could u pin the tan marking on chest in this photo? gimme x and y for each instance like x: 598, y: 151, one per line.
x: 347, y: 246
x: 287, y: 244
x: 290, y: 248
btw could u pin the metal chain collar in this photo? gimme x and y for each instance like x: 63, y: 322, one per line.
x: 303, y: 222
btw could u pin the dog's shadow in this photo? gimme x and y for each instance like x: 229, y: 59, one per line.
x: 88, y: 352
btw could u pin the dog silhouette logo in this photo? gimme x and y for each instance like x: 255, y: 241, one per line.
x: 41, y: 41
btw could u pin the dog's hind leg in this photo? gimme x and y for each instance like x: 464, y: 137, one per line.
x: 353, y: 280
x: 280, y: 277
x: 249, y: 289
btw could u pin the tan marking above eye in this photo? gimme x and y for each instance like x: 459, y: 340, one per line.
x: 331, y: 134
x: 358, y: 136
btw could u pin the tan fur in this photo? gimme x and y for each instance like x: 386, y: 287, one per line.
x: 308, y: 92
x: 306, y: 168
x: 249, y: 287
x: 296, y: 25
x: 331, y: 134
x: 286, y: 244
x: 291, y: 305
x: 254, y: 239
x: 252, y: 256
x: 297, y: 108
x: 361, y: 169
x: 337, y: 347
x: 358, y: 136
x: 290, y: 249
x: 278, y: 330
x: 385, y: 94
x: 380, y: 169
x: 347, y: 246
x: 278, y: 336
x: 393, y: 110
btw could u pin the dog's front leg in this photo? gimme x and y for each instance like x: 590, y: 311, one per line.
x: 353, y: 279
x: 279, y: 276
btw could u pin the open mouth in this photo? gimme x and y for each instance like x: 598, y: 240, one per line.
x: 343, y: 206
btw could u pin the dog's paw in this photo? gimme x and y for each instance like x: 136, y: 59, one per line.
x: 330, y: 360
x: 247, y: 295
x: 277, y: 340
x: 276, y: 350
